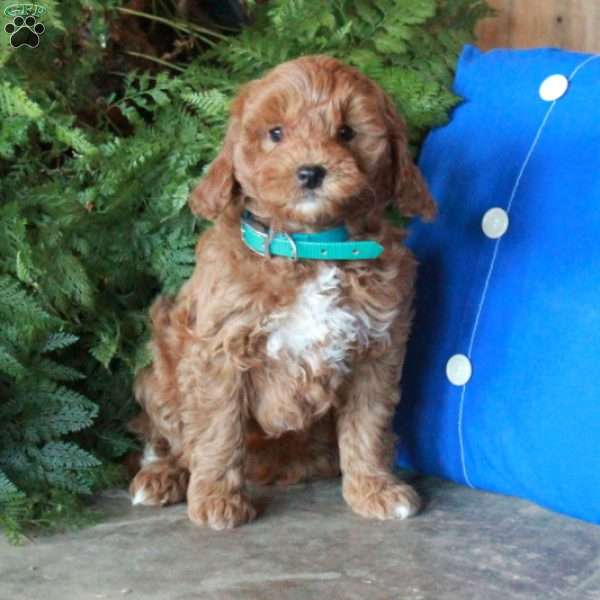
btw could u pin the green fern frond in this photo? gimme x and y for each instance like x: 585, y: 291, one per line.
x: 58, y: 341
x: 14, y: 102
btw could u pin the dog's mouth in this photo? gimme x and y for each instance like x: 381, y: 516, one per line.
x: 309, y: 204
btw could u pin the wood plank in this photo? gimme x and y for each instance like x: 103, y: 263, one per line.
x: 570, y: 24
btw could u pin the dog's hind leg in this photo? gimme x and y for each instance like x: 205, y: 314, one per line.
x: 158, y: 483
x: 163, y: 476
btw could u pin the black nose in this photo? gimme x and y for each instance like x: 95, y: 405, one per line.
x: 311, y: 176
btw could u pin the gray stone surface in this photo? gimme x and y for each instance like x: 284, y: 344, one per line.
x: 307, y: 544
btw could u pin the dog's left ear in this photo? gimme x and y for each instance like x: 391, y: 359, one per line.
x: 409, y: 190
x: 217, y: 188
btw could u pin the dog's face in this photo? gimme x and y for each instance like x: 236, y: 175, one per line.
x: 313, y: 143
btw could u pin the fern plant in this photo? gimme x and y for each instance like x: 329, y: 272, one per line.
x: 95, y: 169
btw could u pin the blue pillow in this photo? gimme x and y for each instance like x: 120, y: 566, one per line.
x: 501, y: 387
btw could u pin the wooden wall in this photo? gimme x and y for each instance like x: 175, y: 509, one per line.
x: 570, y: 24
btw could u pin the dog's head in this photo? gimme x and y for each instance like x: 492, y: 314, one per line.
x: 313, y: 143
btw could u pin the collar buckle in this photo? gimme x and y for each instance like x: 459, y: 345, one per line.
x: 292, y: 243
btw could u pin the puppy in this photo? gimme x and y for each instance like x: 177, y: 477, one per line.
x: 280, y: 359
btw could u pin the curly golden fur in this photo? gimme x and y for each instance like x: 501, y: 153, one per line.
x: 277, y: 370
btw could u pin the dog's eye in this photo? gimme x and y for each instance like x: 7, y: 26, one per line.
x: 276, y: 134
x: 346, y: 133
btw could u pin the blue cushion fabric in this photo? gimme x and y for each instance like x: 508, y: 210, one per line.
x: 524, y: 309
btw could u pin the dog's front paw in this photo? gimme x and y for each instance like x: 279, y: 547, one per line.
x: 379, y: 498
x: 221, y: 512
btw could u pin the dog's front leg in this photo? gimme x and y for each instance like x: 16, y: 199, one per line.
x: 366, y: 443
x: 213, y: 433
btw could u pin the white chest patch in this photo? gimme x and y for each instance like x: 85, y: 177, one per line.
x: 318, y: 328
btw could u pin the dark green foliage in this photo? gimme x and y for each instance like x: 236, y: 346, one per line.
x: 95, y: 169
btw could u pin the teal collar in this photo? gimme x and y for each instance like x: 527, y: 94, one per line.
x: 330, y: 244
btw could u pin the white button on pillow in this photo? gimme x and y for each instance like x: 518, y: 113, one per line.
x: 495, y: 223
x: 459, y: 369
x: 554, y: 87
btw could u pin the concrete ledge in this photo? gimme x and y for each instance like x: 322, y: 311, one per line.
x: 307, y: 544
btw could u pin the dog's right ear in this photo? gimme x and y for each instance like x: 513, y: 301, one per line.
x: 217, y: 188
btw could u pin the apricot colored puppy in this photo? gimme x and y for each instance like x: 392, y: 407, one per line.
x: 280, y: 359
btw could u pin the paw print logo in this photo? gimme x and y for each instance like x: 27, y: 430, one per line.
x: 25, y: 32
